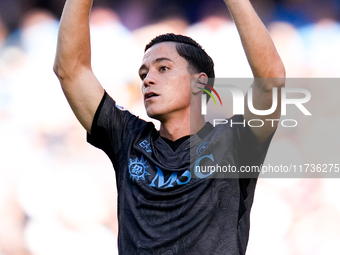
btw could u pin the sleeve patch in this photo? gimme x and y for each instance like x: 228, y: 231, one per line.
x: 121, y: 108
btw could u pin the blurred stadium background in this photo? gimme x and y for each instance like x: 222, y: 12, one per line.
x: 57, y: 193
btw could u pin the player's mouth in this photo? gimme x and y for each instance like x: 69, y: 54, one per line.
x: 150, y: 95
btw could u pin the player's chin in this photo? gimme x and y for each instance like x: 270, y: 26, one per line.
x: 156, y: 116
x: 153, y: 113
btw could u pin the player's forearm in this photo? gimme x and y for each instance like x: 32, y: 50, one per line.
x: 73, y: 50
x: 262, y: 55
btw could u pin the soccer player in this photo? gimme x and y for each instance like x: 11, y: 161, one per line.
x: 163, y: 206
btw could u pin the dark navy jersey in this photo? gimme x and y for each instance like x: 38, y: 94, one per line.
x: 164, y: 205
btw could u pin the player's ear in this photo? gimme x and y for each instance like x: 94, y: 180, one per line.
x: 198, y: 82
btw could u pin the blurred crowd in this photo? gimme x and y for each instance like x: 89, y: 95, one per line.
x: 57, y: 193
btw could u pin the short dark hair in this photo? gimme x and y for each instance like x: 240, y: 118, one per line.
x: 198, y: 60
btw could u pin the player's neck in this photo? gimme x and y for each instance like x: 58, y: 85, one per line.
x: 174, y: 129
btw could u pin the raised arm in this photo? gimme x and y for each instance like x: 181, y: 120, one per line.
x: 73, y: 62
x: 264, y: 60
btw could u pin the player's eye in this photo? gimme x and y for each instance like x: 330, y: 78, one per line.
x: 163, y: 68
x: 142, y: 76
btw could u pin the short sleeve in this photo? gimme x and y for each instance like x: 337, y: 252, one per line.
x: 109, y: 126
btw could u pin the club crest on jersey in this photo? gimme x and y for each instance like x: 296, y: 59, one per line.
x: 137, y: 169
x: 201, y: 148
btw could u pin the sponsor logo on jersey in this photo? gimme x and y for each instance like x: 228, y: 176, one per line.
x: 173, y: 179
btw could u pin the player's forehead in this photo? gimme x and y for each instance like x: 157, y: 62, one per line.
x: 166, y: 50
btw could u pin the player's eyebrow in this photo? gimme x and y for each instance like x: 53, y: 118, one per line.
x: 157, y: 60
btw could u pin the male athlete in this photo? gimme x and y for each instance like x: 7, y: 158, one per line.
x: 163, y: 206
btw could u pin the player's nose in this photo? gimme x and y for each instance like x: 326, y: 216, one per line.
x: 150, y: 79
